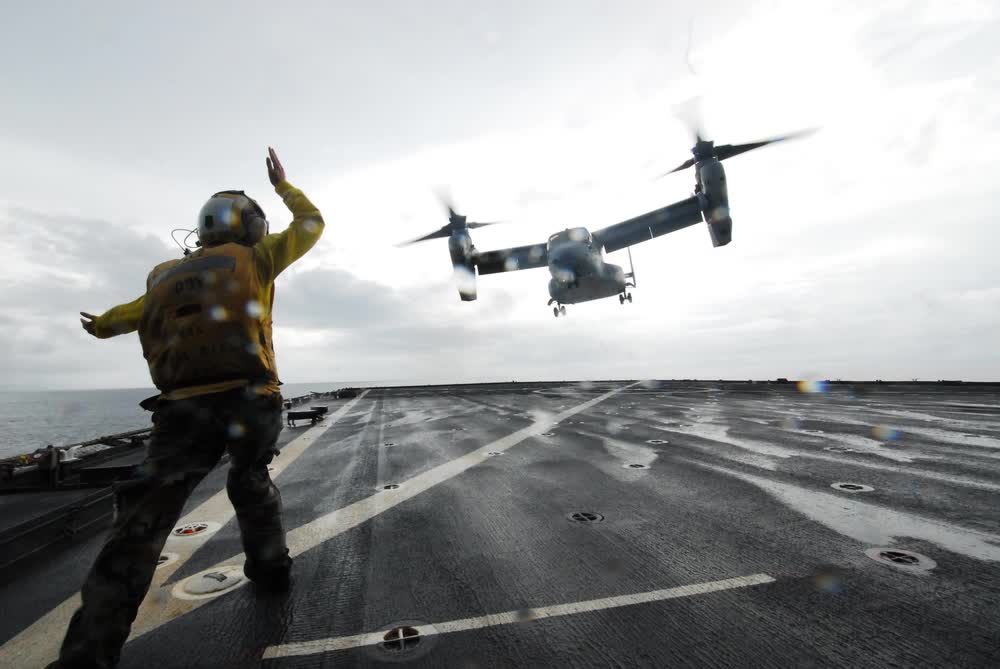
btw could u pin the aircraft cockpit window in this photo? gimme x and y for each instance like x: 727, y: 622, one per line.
x: 571, y: 235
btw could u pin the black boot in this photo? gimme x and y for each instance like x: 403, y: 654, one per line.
x: 270, y: 577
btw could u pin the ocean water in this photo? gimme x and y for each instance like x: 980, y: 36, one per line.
x: 34, y: 419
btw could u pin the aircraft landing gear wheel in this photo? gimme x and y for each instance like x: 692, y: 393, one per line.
x: 562, y: 309
x: 629, y: 298
x: 621, y: 299
x: 555, y: 311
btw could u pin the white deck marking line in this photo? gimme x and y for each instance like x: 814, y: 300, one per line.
x: 326, y: 527
x: 336, y: 522
x: 512, y: 617
x: 39, y: 643
x: 922, y: 473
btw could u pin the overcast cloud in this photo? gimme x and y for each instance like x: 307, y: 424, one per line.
x: 865, y: 251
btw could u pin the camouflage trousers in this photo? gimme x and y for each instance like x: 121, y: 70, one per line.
x: 189, y: 437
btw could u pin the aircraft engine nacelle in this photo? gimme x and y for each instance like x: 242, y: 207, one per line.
x: 712, y: 180
x: 461, y: 249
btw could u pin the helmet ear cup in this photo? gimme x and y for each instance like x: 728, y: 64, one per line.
x: 255, y: 223
x: 256, y: 229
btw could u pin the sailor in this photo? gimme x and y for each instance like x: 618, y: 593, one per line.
x: 204, y: 323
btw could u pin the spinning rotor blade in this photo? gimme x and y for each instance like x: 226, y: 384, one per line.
x: 444, y: 197
x: 683, y: 166
x: 456, y: 222
x: 724, y: 151
x: 690, y: 115
x: 443, y: 232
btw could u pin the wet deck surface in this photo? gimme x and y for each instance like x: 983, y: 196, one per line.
x: 728, y: 547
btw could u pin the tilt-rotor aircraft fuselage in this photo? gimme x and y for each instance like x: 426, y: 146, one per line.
x: 575, y: 256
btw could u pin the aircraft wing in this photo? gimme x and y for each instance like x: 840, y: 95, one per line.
x: 510, y: 260
x: 671, y: 218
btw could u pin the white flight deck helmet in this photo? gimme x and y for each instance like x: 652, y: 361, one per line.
x: 231, y: 216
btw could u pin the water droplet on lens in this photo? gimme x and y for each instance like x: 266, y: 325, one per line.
x: 254, y: 309
x: 812, y: 387
x: 791, y: 423
x: 885, y: 433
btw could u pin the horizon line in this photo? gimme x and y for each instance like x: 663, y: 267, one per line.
x: 406, y: 384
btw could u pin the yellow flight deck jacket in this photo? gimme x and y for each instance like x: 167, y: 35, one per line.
x: 270, y: 256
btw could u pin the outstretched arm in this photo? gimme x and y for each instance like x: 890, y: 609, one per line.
x: 276, y: 252
x: 115, y: 321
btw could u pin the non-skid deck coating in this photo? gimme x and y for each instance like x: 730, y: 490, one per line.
x: 728, y: 548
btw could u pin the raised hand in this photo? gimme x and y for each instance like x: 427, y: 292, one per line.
x: 275, y: 170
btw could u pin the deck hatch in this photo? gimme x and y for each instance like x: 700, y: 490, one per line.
x: 400, y: 639
x: 190, y: 529
x: 902, y: 559
x: 852, y: 487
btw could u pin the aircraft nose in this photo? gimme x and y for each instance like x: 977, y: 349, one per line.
x: 562, y: 273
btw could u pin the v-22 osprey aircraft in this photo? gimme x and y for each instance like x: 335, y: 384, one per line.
x: 575, y: 256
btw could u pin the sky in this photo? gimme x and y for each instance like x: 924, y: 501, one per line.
x: 863, y: 251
